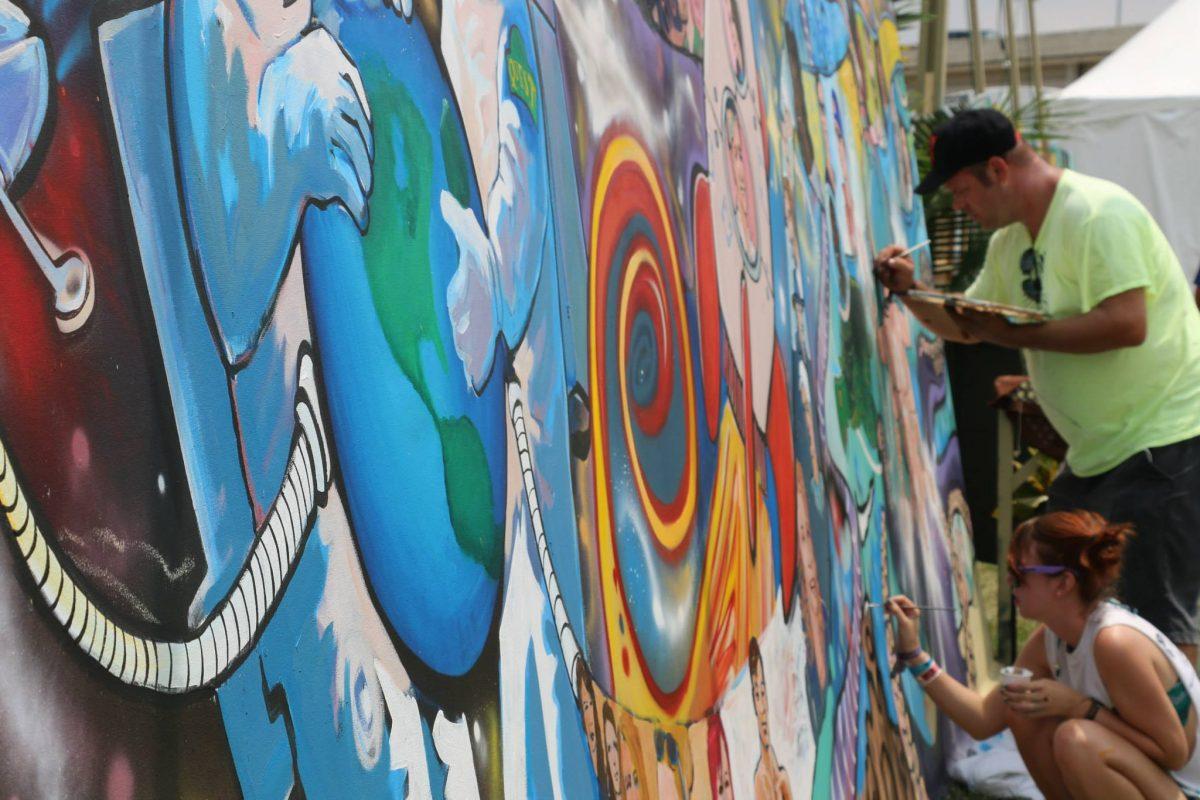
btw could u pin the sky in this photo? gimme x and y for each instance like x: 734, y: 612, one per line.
x: 1055, y: 15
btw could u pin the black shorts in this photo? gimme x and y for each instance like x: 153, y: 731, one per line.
x: 1158, y: 491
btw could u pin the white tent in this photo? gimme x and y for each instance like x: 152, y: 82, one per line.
x: 1134, y: 119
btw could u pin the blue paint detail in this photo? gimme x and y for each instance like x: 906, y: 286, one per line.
x: 537, y: 771
x: 826, y: 38
x: 437, y: 770
x: 771, y: 501
x: 579, y: 774
x: 73, y: 52
x: 300, y: 657
x: 398, y: 784
x: 26, y: 83
x: 196, y: 377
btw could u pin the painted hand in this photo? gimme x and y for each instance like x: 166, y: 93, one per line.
x: 472, y: 293
x: 491, y: 293
x: 313, y: 103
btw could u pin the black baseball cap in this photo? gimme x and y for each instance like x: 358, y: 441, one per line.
x: 969, y: 137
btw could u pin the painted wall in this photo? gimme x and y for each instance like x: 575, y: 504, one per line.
x: 464, y: 398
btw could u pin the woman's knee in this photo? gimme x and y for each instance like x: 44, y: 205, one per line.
x: 1073, y: 742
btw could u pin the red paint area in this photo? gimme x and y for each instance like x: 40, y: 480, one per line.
x: 781, y: 451
x: 99, y: 392
x: 749, y: 428
x: 647, y: 297
x: 709, y: 304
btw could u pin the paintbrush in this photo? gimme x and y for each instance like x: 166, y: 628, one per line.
x: 912, y: 249
x: 922, y: 608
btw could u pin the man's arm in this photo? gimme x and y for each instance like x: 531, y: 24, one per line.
x: 1119, y: 321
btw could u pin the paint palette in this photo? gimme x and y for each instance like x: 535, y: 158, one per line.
x: 1016, y: 315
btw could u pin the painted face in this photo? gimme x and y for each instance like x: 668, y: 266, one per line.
x: 733, y: 40
x: 612, y: 755
x: 631, y: 781
x: 758, y: 685
x: 587, y: 710
x: 810, y: 597
x: 739, y: 176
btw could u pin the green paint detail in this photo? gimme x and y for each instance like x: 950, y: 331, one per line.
x: 478, y: 534
x: 454, y: 156
x: 397, y: 257
x: 823, y: 773
x: 396, y: 249
x: 855, y: 388
x: 521, y: 79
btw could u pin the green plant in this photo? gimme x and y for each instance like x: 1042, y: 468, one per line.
x: 908, y: 13
x: 1031, y: 496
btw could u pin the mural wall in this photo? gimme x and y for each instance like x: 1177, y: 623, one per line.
x: 424, y: 398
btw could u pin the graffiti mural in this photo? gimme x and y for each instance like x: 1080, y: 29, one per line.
x: 464, y: 398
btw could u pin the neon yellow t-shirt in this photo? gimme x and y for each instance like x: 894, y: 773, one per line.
x: 1097, y: 241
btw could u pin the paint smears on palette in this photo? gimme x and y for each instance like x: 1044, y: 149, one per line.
x: 465, y: 398
x: 958, y: 302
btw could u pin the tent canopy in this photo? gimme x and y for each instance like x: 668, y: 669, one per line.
x: 1159, y: 61
x: 1134, y: 119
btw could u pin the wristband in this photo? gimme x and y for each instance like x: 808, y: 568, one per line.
x: 917, y: 669
x: 927, y: 677
x: 1093, y: 709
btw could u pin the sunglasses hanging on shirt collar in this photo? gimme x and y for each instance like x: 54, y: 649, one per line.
x: 1031, y: 272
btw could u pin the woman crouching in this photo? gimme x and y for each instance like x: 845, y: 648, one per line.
x: 1110, y: 709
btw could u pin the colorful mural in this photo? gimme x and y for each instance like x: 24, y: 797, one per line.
x: 456, y: 398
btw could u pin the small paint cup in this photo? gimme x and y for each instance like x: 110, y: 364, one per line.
x: 1010, y: 676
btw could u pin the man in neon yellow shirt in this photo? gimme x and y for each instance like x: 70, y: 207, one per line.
x: 1117, y: 366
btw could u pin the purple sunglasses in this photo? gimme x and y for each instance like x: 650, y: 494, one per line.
x: 1017, y: 574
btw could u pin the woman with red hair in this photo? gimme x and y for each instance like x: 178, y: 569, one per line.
x: 1110, y: 709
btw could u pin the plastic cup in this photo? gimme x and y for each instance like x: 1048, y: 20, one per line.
x: 1010, y: 676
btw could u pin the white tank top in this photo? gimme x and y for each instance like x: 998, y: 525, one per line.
x: 1077, y: 669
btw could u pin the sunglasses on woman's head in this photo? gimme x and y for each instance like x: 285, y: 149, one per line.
x: 1017, y: 574
x: 1031, y: 268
